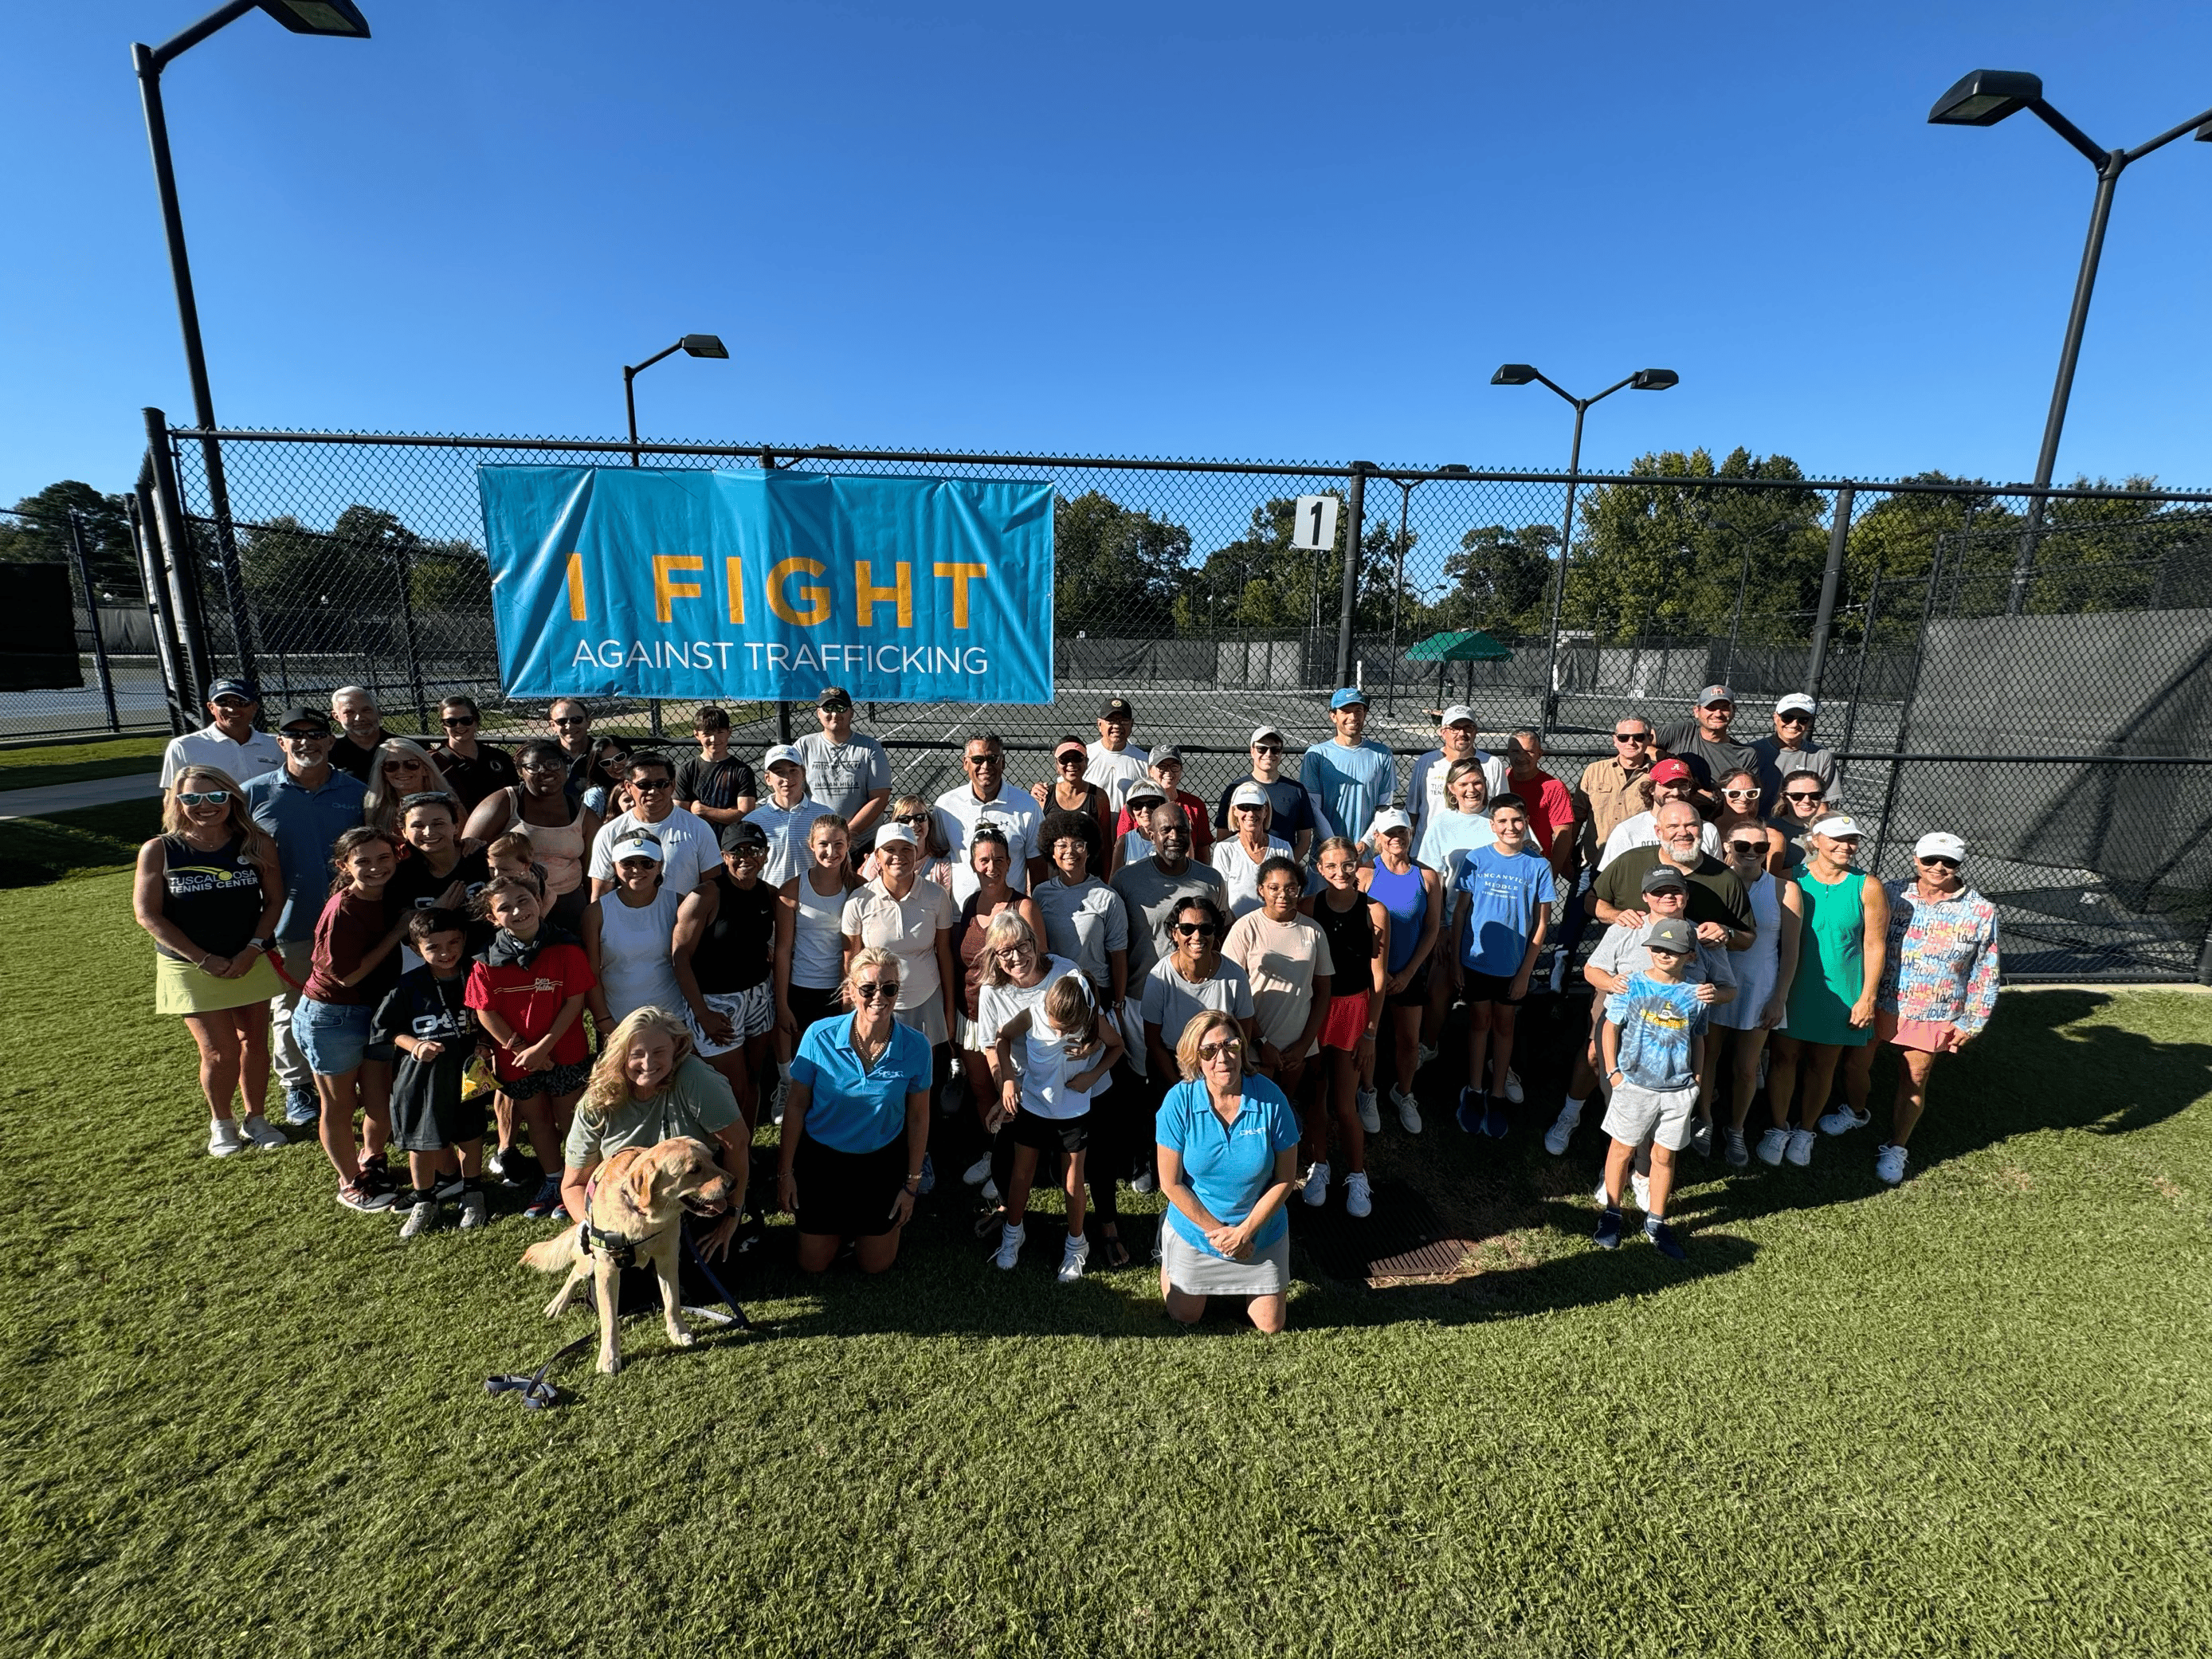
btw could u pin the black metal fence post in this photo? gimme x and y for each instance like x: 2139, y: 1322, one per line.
x: 1839, y: 535
x: 169, y: 657
x: 92, y: 616
x: 402, y: 567
x: 1355, y: 510
x: 174, y: 532
x: 1858, y: 686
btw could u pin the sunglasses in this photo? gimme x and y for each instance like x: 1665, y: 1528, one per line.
x: 573, y: 720
x: 1794, y: 720
x: 233, y: 704
x: 874, y: 991
x: 402, y: 765
x: 204, y: 797
x: 992, y: 759
x: 303, y: 737
x: 911, y: 818
x: 1741, y: 794
x: 1631, y: 737
x: 1801, y: 795
x: 1229, y: 1046
x: 644, y: 787
x: 1196, y: 929
x: 1939, y: 862
x: 451, y: 720
x: 1266, y: 749
x: 1742, y: 847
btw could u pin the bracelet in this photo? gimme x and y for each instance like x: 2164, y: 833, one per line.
x: 202, y: 964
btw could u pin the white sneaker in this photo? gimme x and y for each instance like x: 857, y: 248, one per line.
x: 1370, y: 1116
x: 991, y: 1192
x: 1010, y: 1245
x: 1423, y: 1055
x: 223, y: 1137
x: 1640, y: 1184
x: 473, y: 1213
x: 263, y: 1134
x: 1357, y: 1200
x: 1316, y: 1187
x: 419, y: 1218
x: 1772, y: 1146
x: 1513, y: 1086
x: 1800, y: 1147
x: 1843, y: 1119
x: 976, y: 1173
x: 1143, y: 1182
x: 1562, y: 1130
x: 1071, y: 1259
x: 1409, y: 1111
x: 1638, y: 1187
x: 1889, y: 1164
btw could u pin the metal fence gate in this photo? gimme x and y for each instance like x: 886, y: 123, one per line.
x: 2038, y: 685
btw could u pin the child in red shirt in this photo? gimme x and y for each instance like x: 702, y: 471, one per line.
x: 355, y: 961
x: 527, y: 989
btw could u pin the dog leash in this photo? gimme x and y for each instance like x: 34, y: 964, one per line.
x: 692, y: 1244
x: 537, y: 1392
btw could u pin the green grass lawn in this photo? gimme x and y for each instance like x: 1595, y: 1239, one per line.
x: 1965, y: 1417
x: 80, y: 762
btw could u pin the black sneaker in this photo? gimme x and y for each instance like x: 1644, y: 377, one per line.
x: 1607, y: 1237
x: 501, y: 1162
x: 355, y: 1196
x: 376, y: 1176
x: 548, y: 1201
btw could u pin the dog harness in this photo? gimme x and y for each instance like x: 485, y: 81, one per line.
x: 618, y: 1250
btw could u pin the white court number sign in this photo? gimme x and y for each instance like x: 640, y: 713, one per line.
x: 1314, y: 530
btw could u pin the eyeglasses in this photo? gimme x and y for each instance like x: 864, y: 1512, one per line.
x: 1009, y: 952
x: 1631, y: 737
x: 573, y: 720
x: 204, y: 797
x: 1741, y: 794
x: 1196, y: 929
x: 650, y: 787
x: 874, y: 990
x: 539, y: 766
x: 1228, y: 1046
x: 1939, y: 862
x: 449, y: 721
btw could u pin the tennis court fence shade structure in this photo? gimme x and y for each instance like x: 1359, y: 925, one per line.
x: 2040, y: 687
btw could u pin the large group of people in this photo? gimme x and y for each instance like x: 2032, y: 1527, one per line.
x: 1091, y: 982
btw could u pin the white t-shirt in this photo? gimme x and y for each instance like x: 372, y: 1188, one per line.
x: 1643, y: 830
x: 1045, y: 1068
x: 786, y: 830
x: 843, y: 775
x: 1014, y: 811
x: 689, y: 849
x: 1115, y: 772
x: 1241, y: 872
x: 259, y: 753
x: 997, y: 1004
x: 1172, y: 1001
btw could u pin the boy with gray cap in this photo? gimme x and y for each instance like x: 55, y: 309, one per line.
x: 1654, y: 1041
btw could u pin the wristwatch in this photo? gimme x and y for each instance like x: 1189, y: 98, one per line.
x: 261, y: 944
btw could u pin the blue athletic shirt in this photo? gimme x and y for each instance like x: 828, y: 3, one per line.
x: 1407, y: 905
x: 1228, y: 1166
x: 1657, y: 1022
x: 856, y: 1109
x: 1349, y: 784
x: 1503, y: 890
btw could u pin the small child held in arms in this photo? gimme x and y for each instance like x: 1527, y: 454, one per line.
x: 1653, y: 1042
x: 1067, y: 1049
x: 527, y: 989
x: 436, y: 1119
x: 512, y: 854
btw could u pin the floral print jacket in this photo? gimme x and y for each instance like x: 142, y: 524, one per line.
x: 1943, y: 962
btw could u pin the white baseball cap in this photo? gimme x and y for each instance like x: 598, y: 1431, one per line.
x: 636, y: 847
x: 1260, y: 731
x: 1795, y: 702
x: 778, y: 752
x: 1250, y: 794
x: 1387, y: 819
x: 895, y: 832
x: 1940, y: 844
x: 1458, y: 714
x: 1837, y: 825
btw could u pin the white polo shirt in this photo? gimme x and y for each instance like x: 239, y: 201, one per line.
x: 959, y: 812
x: 259, y: 753
x: 786, y: 828
x: 690, y: 849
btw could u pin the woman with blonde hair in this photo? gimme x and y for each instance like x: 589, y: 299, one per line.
x: 209, y: 890
x: 647, y: 1086
x: 1228, y: 1149
x: 397, y: 770
x: 929, y: 832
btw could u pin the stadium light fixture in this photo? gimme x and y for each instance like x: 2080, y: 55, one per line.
x: 1981, y: 99
x: 338, y: 17
x: 1644, y: 380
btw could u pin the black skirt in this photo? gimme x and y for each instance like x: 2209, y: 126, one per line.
x: 848, y: 1194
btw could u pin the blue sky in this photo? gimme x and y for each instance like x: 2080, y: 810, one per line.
x: 1274, y: 231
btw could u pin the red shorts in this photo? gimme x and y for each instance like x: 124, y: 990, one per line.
x: 1348, y: 1021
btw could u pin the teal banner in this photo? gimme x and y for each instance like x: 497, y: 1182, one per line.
x: 652, y: 582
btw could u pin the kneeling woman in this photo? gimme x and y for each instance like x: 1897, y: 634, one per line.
x: 1228, y: 1146
x: 856, y: 1124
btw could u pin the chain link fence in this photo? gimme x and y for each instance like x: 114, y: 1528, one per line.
x: 2037, y: 688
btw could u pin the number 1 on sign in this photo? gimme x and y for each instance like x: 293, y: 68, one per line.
x: 1313, y: 526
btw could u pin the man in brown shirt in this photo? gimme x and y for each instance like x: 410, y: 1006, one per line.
x: 1607, y: 792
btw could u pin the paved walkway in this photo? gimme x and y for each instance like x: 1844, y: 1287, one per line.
x: 68, y: 797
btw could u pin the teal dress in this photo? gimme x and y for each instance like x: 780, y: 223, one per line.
x: 1831, y: 962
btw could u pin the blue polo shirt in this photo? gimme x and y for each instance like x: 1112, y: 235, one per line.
x: 858, y: 1108
x: 306, y: 822
x: 1228, y: 1166
x: 1348, y: 784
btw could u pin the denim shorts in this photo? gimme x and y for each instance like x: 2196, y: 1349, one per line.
x: 333, y: 1036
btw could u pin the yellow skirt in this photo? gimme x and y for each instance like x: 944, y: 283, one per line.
x: 181, y: 988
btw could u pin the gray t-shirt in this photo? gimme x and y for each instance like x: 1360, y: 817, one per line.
x: 1623, y: 952
x: 1084, y: 923
x: 696, y: 1100
x: 1777, y: 764
x: 1152, y: 894
x: 843, y: 775
x: 1710, y: 761
x: 1171, y: 1001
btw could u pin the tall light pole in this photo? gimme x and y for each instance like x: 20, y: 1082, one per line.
x: 1644, y: 380
x: 333, y: 17
x: 1982, y: 100
x: 691, y: 345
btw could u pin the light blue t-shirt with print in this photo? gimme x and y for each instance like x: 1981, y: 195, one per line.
x: 1658, y: 1021
x: 1228, y: 1166
x: 1501, y: 891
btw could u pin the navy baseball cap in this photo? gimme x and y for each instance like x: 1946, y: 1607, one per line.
x: 244, y: 688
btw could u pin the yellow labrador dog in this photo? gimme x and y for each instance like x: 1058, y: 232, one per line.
x: 633, y: 1213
